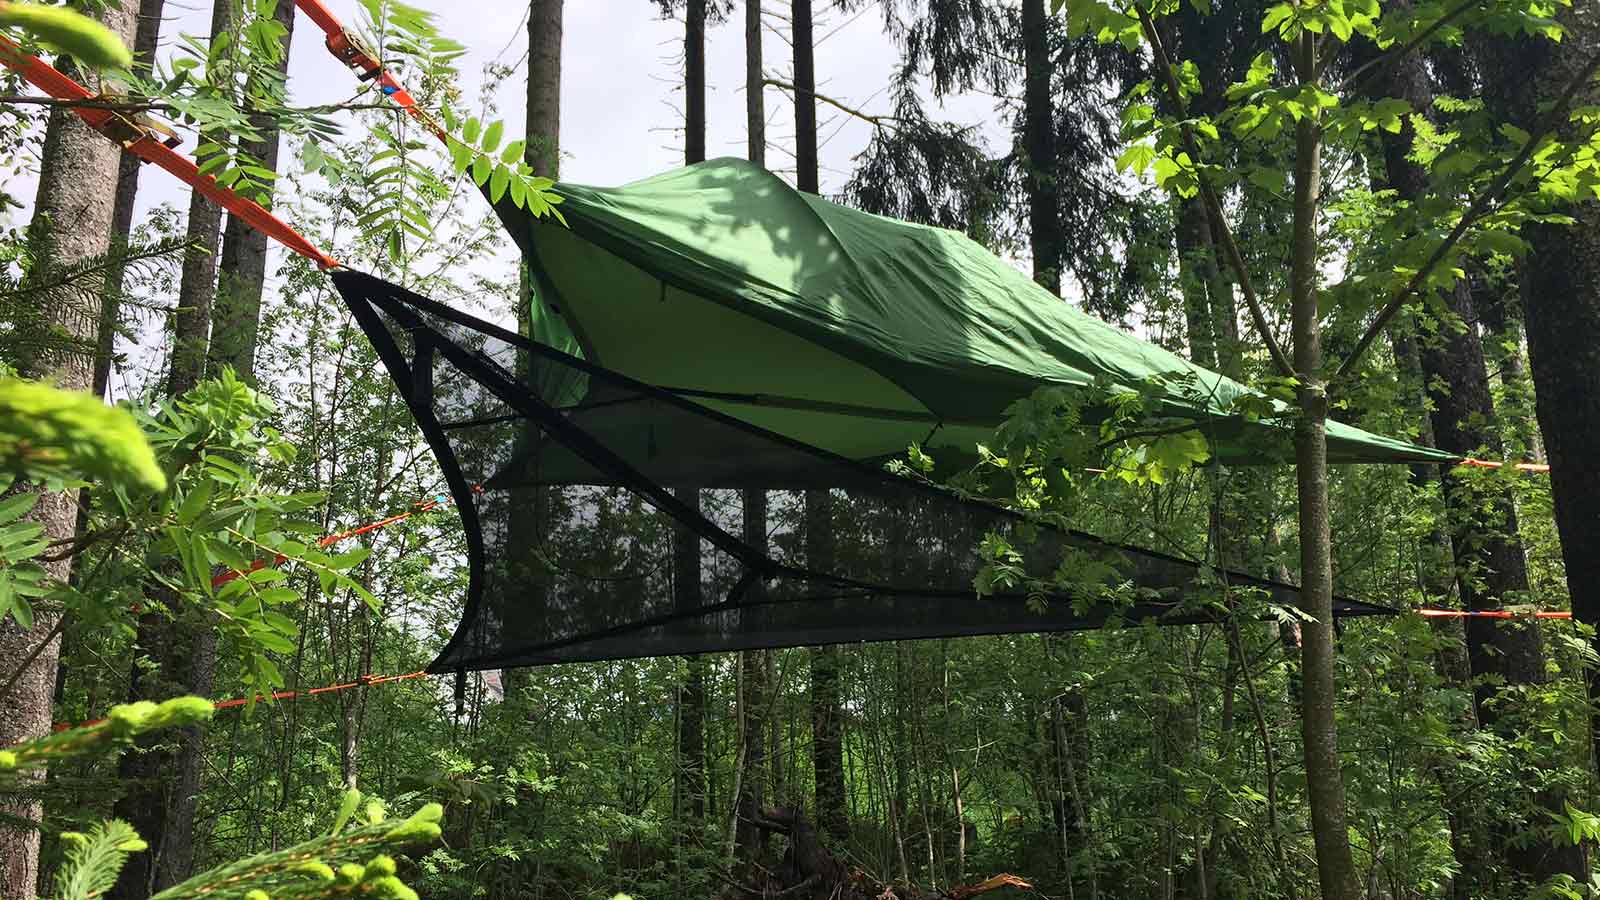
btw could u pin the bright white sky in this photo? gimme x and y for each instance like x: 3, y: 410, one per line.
x: 621, y: 90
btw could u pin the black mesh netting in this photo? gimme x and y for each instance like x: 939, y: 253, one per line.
x: 607, y: 518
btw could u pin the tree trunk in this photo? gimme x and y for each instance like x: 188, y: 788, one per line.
x: 163, y: 774
x: 1561, y: 305
x: 1319, y: 693
x: 691, y: 771
x: 827, y: 749
x: 72, y: 222
x: 805, y: 98
x: 1490, y: 565
x: 542, y: 134
x: 147, y: 34
x: 694, y: 82
x: 750, y: 841
x: 236, y: 326
x: 754, y: 85
x: 1038, y: 120
x: 1191, y: 237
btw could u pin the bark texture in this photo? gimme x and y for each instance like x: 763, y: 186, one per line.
x: 1038, y: 117
x: 1560, y: 278
x: 1319, y: 692
x: 236, y: 325
x: 72, y: 222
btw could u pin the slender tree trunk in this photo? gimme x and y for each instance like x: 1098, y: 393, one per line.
x: 1319, y: 691
x: 750, y: 841
x: 1038, y: 121
x: 827, y: 748
x: 164, y: 780
x: 542, y: 133
x: 147, y: 34
x: 694, y: 82
x: 1191, y: 237
x: 236, y: 326
x: 72, y: 222
x: 197, y: 286
x: 805, y: 98
x: 754, y: 85
x: 691, y: 771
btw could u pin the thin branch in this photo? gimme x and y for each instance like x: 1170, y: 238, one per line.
x: 1152, y: 432
x: 1395, y: 54
x: 876, y: 121
x: 114, y: 105
x: 1209, y: 201
x: 60, y: 626
x: 1482, y: 205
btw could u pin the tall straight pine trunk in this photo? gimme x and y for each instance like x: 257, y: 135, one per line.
x: 749, y: 841
x: 827, y: 747
x: 163, y: 781
x: 236, y: 320
x: 1039, y: 128
x: 72, y: 223
x: 1560, y: 279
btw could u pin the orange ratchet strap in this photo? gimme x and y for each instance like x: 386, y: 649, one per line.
x: 142, y: 138
x: 349, y: 50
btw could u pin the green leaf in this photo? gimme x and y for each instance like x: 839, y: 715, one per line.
x: 1136, y: 158
x: 481, y: 169
x: 16, y: 506
x: 513, y: 152
x: 194, y: 502
x: 498, y: 183
x: 72, y: 33
x: 492, y: 135
x: 470, y: 131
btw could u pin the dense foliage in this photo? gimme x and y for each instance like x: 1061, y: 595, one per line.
x: 1167, y: 143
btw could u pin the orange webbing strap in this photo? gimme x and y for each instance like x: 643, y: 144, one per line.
x: 330, y: 540
x: 141, y: 139
x: 348, y: 49
x: 1492, y: 614
x: 363, y: 681
x: 1491, y: 464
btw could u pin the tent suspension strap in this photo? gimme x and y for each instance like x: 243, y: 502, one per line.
x: 144, y: 138
x: 348, y: 49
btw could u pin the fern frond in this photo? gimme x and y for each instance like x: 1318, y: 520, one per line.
x: 93, y: 860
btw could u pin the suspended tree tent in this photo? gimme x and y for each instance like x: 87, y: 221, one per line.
x: 687, y: 454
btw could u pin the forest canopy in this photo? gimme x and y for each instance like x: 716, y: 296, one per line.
x: 1141, y: 274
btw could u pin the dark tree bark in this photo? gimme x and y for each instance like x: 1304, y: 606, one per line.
x: 754, y: 85
x: 542, y: 133
x: 147, y: 33
x: 1489, y: 562
x: 750, y: 842
x: 1560, y: 278
x: 694, y: 82
x: 72, y: 222
x: 827, y: 748
x: 1192, y: 237
x: 197, y: 286
x: 686, y: 595
x: 1038, y: 117
x: 236, y: 324
x: 163, y: 774
x: 805, y: 98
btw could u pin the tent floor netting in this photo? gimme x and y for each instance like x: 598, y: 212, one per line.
x: 608, y: 518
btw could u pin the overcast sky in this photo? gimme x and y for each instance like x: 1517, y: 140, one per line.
x: 621, y: 90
